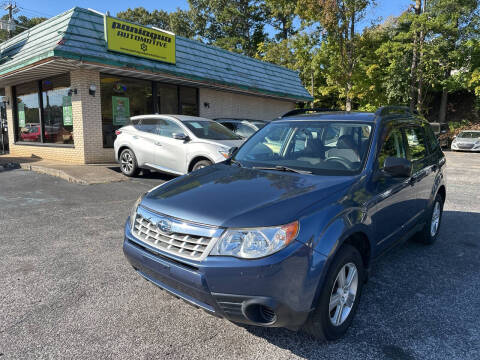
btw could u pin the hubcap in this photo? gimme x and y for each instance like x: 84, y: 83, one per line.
x: 435, y: 219
x: 127, y: 162
x: 342, y: 297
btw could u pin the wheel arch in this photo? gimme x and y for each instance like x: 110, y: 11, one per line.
x: 196, y: 159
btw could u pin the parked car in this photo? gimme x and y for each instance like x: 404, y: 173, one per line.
x: 174, y: 144
x: 285, y: 236
x: 468, y: 140
x: 243, y: 127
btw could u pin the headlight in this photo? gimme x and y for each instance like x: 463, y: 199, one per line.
x: 133, y: 211
x: 225, y: 153
x: 255, y: 243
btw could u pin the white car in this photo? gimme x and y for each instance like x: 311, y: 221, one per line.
x: 468, y: 140
x: 174, y: 144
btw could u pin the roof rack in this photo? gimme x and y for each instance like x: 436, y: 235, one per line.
x: 304, y: 111
x: 394, y: 109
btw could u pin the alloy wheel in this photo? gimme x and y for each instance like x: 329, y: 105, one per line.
x: 344, y: 292
x: 127, y: 162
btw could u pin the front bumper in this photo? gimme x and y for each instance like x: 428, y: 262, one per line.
x: 276, y: 291
x: 459, y: 148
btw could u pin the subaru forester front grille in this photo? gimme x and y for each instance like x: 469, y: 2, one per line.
x: 174, y: 236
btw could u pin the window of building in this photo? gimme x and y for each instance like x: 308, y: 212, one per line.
x: 28, y: 112
x: 43, y: 111
x: 57, y: 110
x: 122, y: 98
x: 125, y: 97
x: 167, y: 98
x: 188, y: 101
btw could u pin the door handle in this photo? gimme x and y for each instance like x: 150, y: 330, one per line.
x: 158, y: 143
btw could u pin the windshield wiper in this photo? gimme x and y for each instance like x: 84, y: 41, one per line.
x: 238, y: 163
x: 282, y: 168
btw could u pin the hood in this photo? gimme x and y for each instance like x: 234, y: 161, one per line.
x: 230, y: 196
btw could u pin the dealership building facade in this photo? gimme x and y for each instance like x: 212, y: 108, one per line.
x: 74, y: 79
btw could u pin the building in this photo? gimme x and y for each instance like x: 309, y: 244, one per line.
x: 74, y: 79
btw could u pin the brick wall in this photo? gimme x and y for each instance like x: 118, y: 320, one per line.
x: 223, y: 104
x: 87, y: 126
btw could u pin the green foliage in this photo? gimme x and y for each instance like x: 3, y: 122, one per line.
x: 233, y: 25
x: 179, y: 21
x: 23, y: 22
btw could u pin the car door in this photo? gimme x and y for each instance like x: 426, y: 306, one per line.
x: 424, y: 164
x: 144, y: 141
x: 171, y: 153
x: 393, y: 197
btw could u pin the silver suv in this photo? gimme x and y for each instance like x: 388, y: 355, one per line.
x: 175, y: 144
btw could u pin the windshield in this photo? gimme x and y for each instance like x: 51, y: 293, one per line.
x: 324, y: 148
x: 210, y: 130
x: 469, y: 134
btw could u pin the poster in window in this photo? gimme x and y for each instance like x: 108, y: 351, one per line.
x: 21, y: 115
x: 67, y: 111
x: 121, y: 110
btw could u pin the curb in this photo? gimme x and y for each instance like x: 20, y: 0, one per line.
x: 53, y: 172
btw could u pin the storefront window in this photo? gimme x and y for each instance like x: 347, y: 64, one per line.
x: 167, y: 97
x: 57, y: 110
x: 188, y: 101
x: 55, y: 118
x: 121, y: 99
x: 28, y: 112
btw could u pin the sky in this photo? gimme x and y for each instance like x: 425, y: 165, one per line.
x: 49, y: 8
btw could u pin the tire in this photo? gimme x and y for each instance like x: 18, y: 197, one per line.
x: 321, y: 323
x: 429, y: 233
x: 128, y: 163
x: 201, y: 164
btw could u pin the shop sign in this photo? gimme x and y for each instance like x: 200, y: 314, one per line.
x: 137, y: 40
x: 67, y: 111
x: 121, y: 110
x: 21, y: 114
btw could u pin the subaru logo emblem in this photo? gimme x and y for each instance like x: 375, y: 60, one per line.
x: 164, y: 226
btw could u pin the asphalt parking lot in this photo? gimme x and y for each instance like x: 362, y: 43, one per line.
x: 66, y: 290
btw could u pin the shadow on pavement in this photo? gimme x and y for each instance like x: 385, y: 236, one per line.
x: 147, y: 174
x: 416, y: 292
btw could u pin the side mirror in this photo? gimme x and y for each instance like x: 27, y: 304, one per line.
x: 180, y: 136
x: 397, y: 167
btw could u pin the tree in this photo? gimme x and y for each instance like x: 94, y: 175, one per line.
x: 339, y: 19
x: 233, y: 25
x: 451, y: 23
x: 178, y: 22
x: 282, y: 14
x: 23, y: 23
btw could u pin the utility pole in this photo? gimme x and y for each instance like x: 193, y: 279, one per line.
x: 11, y: 8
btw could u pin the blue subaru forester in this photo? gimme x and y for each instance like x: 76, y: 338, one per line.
x: 283, y: 233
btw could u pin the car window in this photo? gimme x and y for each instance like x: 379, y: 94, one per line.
x: 207, y: 129
x: 244, y: 131
x: 469, y: 135
x: 162, y: 127
x: 301, y: 145
x: 229, y: 125
x: 432, y: 141
x: 393, y: 146
x: 416, y: 143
